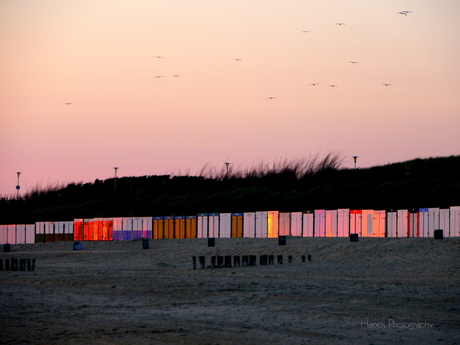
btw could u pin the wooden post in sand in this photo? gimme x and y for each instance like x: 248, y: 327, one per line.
x: 213, y: 261
x: 303, y: 258
x: 271, y: 259
x: 289, y: 259
x: 14, y: 264
x: 202, y: 260
x: 194, y: 262
x: 22, y: 264
x: 438, y: 234
x: 245, y: 260
x: 228, y: 261
x: 220, y: 261
x: 309, y: 257
x: 236, y: 261
x: 282, y: 240
x: 263, y: 260
x: 7, y: 264
x: 354, y: 238
x: 280, y: 259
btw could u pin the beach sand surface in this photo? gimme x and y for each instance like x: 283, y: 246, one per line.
x: 375, y: 291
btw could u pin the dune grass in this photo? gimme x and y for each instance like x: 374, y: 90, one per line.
x: 303, y: 184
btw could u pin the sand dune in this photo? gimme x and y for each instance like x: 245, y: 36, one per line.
x: 376, y: 291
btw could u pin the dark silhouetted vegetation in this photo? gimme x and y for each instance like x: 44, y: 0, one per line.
x: 296, y: 185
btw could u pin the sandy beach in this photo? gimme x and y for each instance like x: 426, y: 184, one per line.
x: 375, y: 291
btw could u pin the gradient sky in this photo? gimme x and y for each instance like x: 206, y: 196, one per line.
x: 101, y: 55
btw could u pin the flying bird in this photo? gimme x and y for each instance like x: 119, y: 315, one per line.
x: 271, y: 97
x: 386, y: 84
x: 353, y: 62
x: 404, y: 12
x: 313, y: 84
x: 159, y: 57
x: 237, y: 59
x: 332, y: 85
x: 68, y: 103
x: 306, y: 31
x: 158, y: 76
x: 176, y: 75
x: 340, y: 24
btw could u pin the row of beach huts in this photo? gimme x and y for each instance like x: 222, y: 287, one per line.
x: 264, y: 224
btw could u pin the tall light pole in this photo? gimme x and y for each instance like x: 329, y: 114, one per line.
x: 226, y: 165
x: 355, y: 158
x: 18, y: 187
x: 115, y: 183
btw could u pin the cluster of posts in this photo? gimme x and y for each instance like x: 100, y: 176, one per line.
x: 13, y: 264
x: 229, y: 261
x: 225, y: 261
x: 17, y: 265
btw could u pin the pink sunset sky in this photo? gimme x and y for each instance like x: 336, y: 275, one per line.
x: 230, y: 57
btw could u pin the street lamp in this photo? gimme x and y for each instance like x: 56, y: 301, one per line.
x: 226, y: 165
x: 355, y: 158
x: 18, y: 187
x: 115, y: 183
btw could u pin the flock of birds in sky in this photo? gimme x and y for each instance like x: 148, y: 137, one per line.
x: 404, y: 13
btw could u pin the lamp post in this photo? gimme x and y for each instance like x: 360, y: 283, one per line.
x: 115, y: 182
x: 18, y: 187
x: 226, y: 165
x: 355, y: 158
